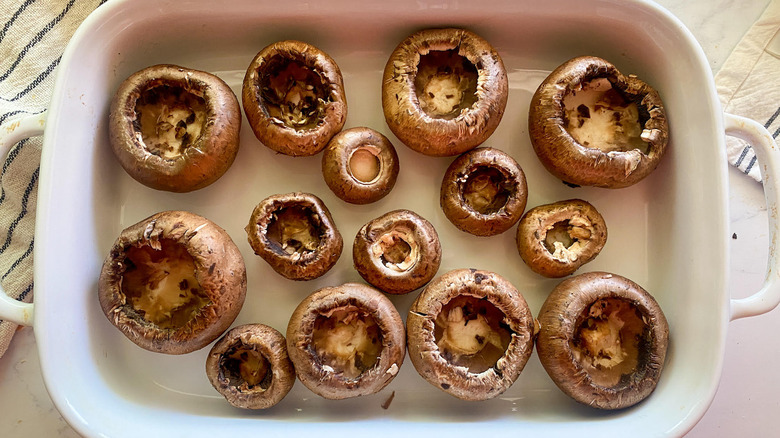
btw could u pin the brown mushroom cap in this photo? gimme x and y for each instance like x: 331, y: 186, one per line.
x: 249, y: 366
x: 346, y: 341
x: 174, y: 128
x: 295, y: 234
x: 397, y: 252
x: 293, y: 96
x: 360, y: 165
x: 481, y: 310
x: 602, y: 164
x: 586, y: 313
x: 484, y: 192
x: 556, y: 239
x: 444, y: 91
x: 172, y: 282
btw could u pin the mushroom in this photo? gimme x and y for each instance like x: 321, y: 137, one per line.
x: 295, y: 234
x: 172, y: 282
x: 554, y: 240
x: 249, y: 366
x: 602, y: 340
x: 360, y: 165
x: 592, y: 126
x: 397, y: 252
x: 293, y: 96
x: 470, y: 333
x: 346, y: 341
x: 484, y: 192
x: 444, y: 91
x: 174, y: 128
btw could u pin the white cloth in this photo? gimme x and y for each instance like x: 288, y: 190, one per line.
x: 749, y: 85
x: 33, y: 35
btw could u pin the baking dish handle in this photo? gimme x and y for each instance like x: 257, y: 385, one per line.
x: 768, y: 157
x: 11, y: 133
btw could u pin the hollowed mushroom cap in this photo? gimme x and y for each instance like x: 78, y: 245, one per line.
x: 365, y: 304
x: 315, y: 243
x: 466, y: 126
x: 563, y: 314
x: 484, y: 192
x: 213, y: 262
x: 250, y: 367
x: 422, y: 333
x: 577, y: 164
x: 319, y: 111
x: 190, y: 163
x: 397, y: 252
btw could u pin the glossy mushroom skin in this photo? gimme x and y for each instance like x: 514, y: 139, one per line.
x: 250, y: 367
x: 556, y: 239
x: 484, y: 192
x: 397, y: 252
x: 463, y: 128
x: 218, y: 271
x: 563, y: 314
x: 196, y: 162
x: 360, y: 165
x: 312, y: 366
x: 577, y: 164
x: 303, y: 263
x: 324, y: 104
x: 434, y: 365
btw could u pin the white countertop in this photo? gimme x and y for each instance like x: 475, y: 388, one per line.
x: 746, y: 403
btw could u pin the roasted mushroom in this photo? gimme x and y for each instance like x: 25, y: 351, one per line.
x: 249, y: 366
x: 484, y: 192
x: 172, y: 282
x: 444, y: 91
x: 590, y: 125
x: 397, y: 252
x: 295, y: 234
x: 293, y: 96
x: 174, y: 128
x: 346, y: 341
x: 555, y: 239
x: 602, y: 340
x: 360, y: 165
x: 470, y: 333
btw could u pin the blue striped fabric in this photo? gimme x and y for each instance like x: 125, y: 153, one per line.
x: 33, y: 35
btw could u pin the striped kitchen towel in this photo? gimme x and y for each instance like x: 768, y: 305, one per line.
x: 33, y: 35
x: 749, y: 85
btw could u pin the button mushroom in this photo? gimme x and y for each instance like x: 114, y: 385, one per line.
x: 174, y: 128
x: 444, y: 91
x: 293, y: 96
x: 470, y: 334
x: 603, y: 340
x: 295, y: 234
x: 590, y: 125
x: 346, y: 341
x: 397, y: 252
x: 173, y: 282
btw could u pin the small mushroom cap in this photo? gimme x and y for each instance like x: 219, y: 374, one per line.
x: 219, y: 269
x: 321, y: 379
x: 274, y: 133
x: 200, y: 164
x: 559, y: 321
x: 576, y: 164
x: 463, y: 215
x: 456, y: 380
x: 272, y: 346
x: 424, y: 252
x: 441, y: 136
x: 538, y: 221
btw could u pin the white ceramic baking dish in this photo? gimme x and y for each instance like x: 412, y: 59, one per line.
x: 668, y: 233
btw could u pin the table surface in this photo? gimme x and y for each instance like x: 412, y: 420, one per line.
x: 746, y: 402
